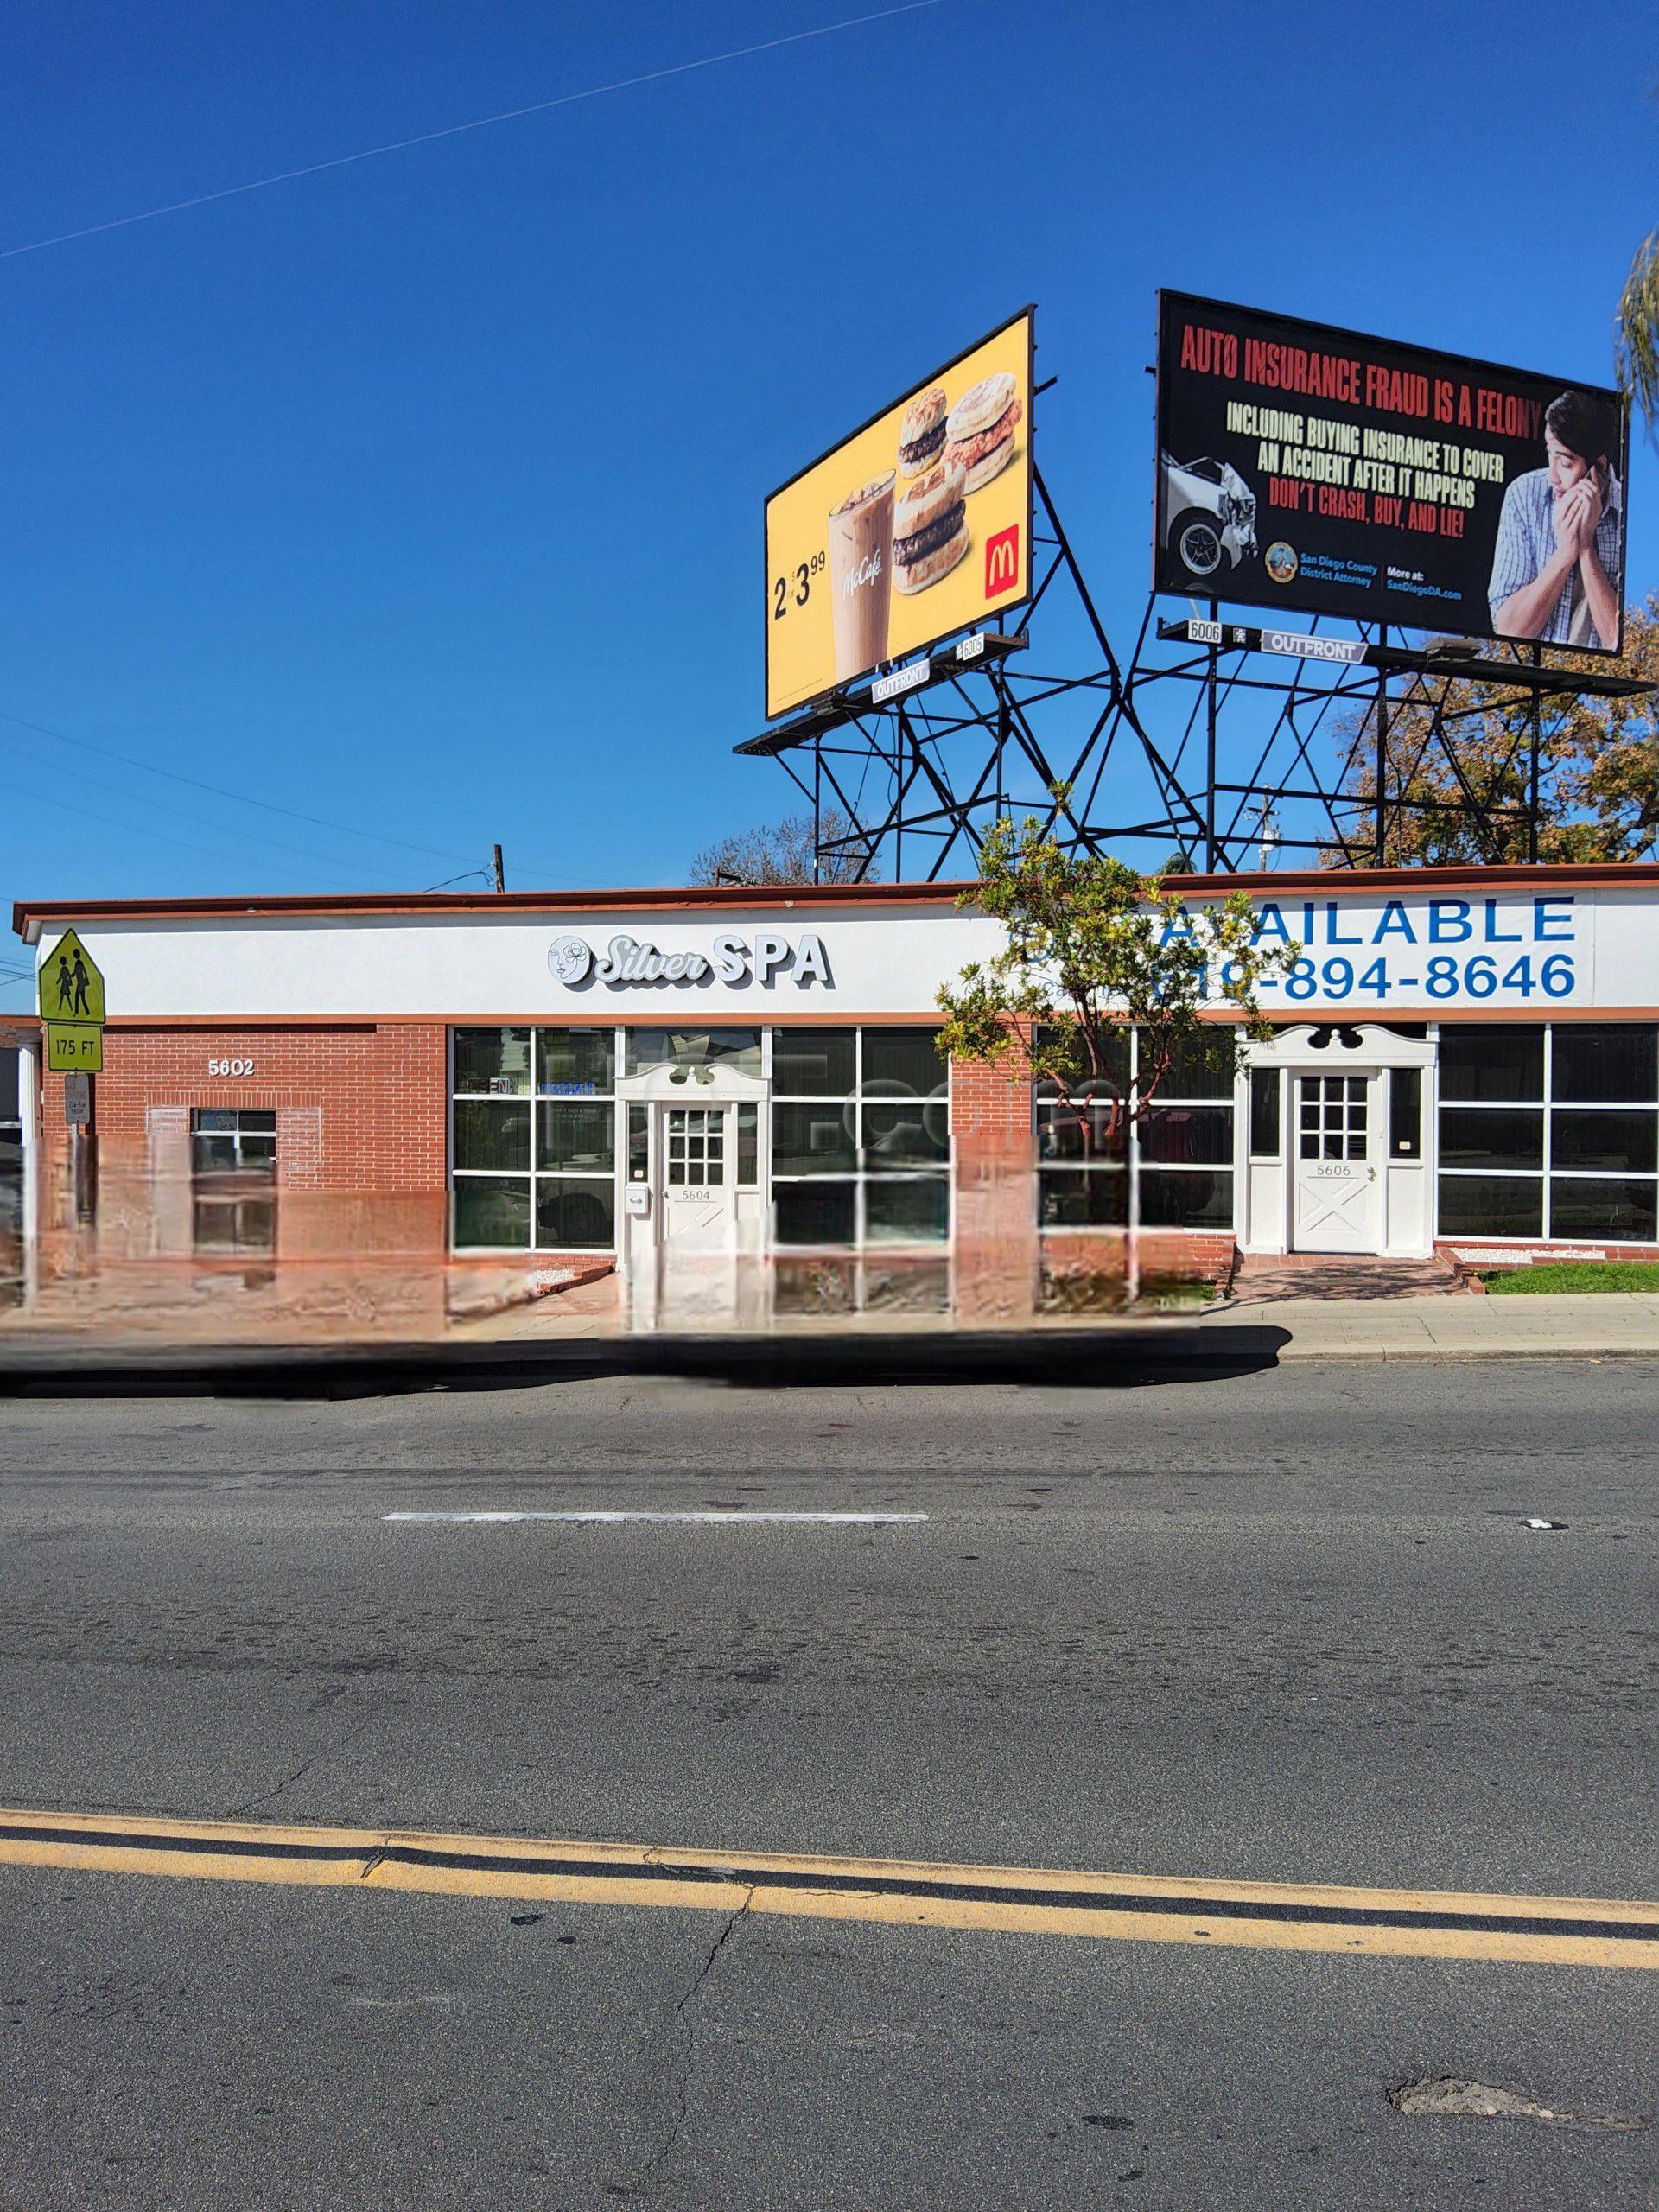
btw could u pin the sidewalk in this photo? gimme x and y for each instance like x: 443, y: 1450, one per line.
x: 582, y: 1332
x: 1596, y: 1324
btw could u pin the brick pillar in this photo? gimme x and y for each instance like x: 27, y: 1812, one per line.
x: 997, y: 1261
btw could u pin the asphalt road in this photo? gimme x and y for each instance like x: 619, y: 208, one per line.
x: 1289, y: 1626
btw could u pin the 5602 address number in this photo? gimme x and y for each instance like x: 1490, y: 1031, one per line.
x: 230, y: 1067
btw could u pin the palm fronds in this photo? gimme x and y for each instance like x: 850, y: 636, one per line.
x: 1635, y: 336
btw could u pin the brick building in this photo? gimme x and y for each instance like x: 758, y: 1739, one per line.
x: 733, y: 1093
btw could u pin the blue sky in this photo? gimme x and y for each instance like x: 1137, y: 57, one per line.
x: 423, y: 496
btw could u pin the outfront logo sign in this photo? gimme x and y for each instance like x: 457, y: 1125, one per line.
x: 731, y: 959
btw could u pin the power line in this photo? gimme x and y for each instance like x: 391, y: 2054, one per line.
x: 224, y: 829
x: 218, y: 791
x: 158, y: 836
x: 456, y: 130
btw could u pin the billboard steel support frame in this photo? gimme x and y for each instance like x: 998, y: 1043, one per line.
x: 920, y: 779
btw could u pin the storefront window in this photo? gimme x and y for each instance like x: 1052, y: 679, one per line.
x: 575, y: 1063
x: 233, y: 1179
x: 534, y: 1167
x: 492, y: 1134
x: 1083, y: 1175
x: 1202, y: 1066
x: 1581, y: 1163
x: 494, y: 1062
x: 815, y: 1213
x: 1265, y: 1085
x: 1073, y: 1200
x: 1185, y: 1201
x: 1486, y: 1137
x: 1491, y: 1205
x: 1187, y: 1136
x: 871, y: 1109
x: 814, y: 1063
x: 812, y: 1138
x: 1613, y: 1061
x: 581, y: 1137
x: 1405, y: 1113
x: 1078, y: 1128
x: 1583, y: 1206
x: 574, y: 1214
x: 492, y: 1210
x: 1598, y: 1140
x: 903, y: 1060
x: 690, y: 1052
x: 748, y: 1147
x: 915, y: 1211
x: 1489, y: 1060
x: 1173, y: 1170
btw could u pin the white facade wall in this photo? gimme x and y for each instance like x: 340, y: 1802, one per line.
x: 1415, y: 955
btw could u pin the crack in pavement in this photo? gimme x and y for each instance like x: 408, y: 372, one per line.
x: 683, y: 2081
x: 324, y: 1752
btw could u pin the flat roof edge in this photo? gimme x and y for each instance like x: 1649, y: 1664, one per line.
x: 29, y: 915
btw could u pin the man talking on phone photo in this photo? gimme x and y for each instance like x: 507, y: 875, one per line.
x: 1557, y: 565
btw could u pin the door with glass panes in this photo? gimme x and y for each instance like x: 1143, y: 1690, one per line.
x: 1336, y: 1189
x: 696, y: 1177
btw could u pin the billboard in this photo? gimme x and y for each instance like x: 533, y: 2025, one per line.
x: 915, y: 527
x: 1318, y: 471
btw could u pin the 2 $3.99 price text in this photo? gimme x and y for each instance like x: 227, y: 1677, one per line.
x: 805, y: 572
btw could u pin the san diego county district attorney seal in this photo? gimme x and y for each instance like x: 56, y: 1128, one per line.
x: 569, y: 959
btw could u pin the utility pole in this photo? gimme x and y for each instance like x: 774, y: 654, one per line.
x: 500, y: 873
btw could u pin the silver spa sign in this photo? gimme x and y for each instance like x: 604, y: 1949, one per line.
x: 730, y: 959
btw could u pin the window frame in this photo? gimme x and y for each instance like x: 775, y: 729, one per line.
x: 532, y: 1176
x: 1136, y: 1162
x: 1547, y: 1175
x: 860, y: 1174
x: 225, y: 1194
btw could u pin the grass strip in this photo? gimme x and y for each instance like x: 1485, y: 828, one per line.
x: 1572, y: 1275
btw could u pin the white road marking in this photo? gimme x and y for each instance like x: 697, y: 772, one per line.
x: 861, y: 1520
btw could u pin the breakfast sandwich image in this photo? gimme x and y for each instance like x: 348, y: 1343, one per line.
x: 921, y: 433
x: 979, y: 431
x: 930, y: 528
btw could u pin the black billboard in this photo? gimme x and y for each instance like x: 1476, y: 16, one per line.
x: 1318, y: 471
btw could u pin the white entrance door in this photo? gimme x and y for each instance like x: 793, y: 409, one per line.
x: 699, y: 1193
x: 696, y: 1197
x: 1336, y: 1182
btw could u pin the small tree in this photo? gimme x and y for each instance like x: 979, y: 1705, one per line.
x: 1093, y: 949
x: 786, y: 852
x: 1599, y: 767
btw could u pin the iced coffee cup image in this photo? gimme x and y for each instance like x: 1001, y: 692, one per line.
x: 860, y: 576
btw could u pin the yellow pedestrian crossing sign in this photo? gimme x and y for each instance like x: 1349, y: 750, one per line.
x: 71, y: 983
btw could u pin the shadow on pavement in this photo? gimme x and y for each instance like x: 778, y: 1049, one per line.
x: 1108, y: 1359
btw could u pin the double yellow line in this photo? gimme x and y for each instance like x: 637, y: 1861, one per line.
x: 1145, y: 1908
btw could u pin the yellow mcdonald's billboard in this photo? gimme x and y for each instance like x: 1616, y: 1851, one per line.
x: 917, y: 526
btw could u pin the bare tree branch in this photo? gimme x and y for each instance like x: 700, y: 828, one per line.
x: 786, y: 852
